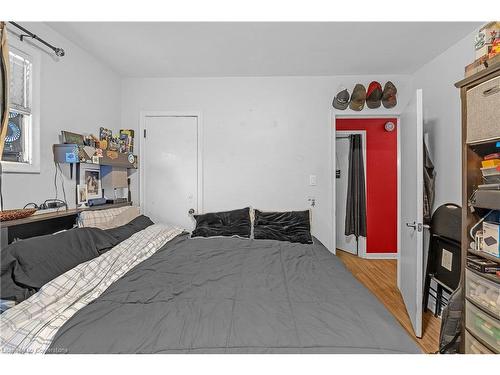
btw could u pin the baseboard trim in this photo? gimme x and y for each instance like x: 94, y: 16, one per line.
x: 381, y: 256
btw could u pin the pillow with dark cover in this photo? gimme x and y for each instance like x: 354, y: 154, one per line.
x: 227, y: 223
x: 125, y: 231
x: 27, y: 265
x: 292, y: 226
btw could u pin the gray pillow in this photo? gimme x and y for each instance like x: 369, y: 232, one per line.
x: 125, y: 231
x: 27, y: 265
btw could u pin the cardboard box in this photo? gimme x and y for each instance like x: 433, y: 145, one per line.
x: 483, y: 51
x: 490, y: 238
x: 489, y: 32
x: 486, y: 38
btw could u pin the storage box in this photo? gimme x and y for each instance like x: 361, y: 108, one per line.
x: 488, y: 33
x: 472, y: 346
x: 482, y: 265
x: 483, y: 111
x: 482, y: 325
x: 486, y: 37
x: 490, y: 171
x: 483, y: 51
x: 490, y: 238
x: 483, y: 292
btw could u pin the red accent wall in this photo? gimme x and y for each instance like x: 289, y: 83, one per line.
x: 381, y: 182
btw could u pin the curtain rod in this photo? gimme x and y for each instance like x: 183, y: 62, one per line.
x: 58, y: 51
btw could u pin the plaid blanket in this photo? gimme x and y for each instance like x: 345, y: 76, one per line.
x: 30, y: 326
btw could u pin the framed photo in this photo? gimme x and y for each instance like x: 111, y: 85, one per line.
x: 90, y: 177
x: 105, y: 134
x: 81, y: 194
x: 68, y: 137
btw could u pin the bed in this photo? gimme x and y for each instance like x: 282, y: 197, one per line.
x: 160, y: 291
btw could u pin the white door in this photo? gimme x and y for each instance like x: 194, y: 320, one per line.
x: 411, y: 261
x: 170, y: 169
x: 343, y: 242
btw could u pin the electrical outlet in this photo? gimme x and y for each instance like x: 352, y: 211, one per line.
x: 312, y: 201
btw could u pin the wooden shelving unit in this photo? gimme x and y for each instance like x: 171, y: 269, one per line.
x: 476, y: 98
x: 109, y: 158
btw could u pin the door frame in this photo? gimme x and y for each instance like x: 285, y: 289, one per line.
x: 142, y: 146
x: 362, y: 253
x: 334, y: 116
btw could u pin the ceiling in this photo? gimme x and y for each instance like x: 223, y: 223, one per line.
x: 214, y: 49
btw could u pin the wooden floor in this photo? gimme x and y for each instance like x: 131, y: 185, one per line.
x: 379, y: 276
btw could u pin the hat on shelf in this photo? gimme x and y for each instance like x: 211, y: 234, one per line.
x: 374, y: 95
x: 341, y: 100
x: 389, y: 95
x: 358, y: 97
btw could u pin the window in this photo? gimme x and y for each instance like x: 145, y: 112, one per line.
x: 17, y: 139
x: 21, y: 147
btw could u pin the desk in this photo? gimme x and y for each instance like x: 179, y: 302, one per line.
x: 41, y: 224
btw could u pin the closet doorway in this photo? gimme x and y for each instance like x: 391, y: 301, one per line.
x: 381, y: 163
x: 171, y: 167
x: 342, y: 146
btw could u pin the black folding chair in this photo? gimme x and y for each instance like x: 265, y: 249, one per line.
x: 444, y: 257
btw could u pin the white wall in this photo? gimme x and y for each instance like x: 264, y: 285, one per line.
x: 263, y: 137
x: 78, y: 93
x: 442, y: 118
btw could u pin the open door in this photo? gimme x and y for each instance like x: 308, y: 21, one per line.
x: 411, y: 259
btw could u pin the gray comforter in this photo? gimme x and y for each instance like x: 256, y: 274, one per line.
x: 228, y: 295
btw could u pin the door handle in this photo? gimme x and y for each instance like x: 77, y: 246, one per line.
x: 191, y: 211
x: 491, y: 91
x: 412, y: 225
x: 418, y: 226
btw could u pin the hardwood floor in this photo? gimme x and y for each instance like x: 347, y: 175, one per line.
x: 379, y: 276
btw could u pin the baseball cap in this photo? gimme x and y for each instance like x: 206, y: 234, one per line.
x: 389, y: 95
x: 358, y: 97
x: 341, y: 100
x: 373, y: 95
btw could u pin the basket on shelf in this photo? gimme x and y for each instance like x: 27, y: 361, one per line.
x: 8, y: 215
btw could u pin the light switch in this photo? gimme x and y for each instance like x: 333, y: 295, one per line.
x: 312, y: 180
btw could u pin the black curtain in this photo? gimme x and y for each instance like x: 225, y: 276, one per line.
x: 355, y: 218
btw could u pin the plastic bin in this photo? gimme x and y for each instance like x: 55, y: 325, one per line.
x: 483, y: 292
x: 490, y: 171
x: 473, y: 346
x: 482, y: 326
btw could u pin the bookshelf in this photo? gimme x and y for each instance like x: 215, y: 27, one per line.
x: 480, y: 107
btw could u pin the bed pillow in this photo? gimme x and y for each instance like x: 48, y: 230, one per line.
x: 27, y: 265
x: 109, y: 218
x: 227, y: 224
x: 291, y: 226
x: 123, y: 232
